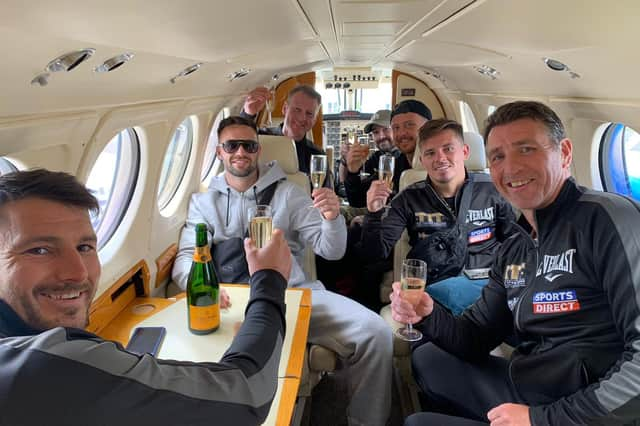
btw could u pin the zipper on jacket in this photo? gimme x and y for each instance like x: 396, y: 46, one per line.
x: 527, y: 288
x: 443, y: 202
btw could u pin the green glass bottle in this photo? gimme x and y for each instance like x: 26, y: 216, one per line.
x: 203, y: 288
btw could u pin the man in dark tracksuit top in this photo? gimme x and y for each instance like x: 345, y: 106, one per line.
x: 433, y: 206
x: 55, y: 373
x: 568, y: 283
x: 355, y: 185
x: 300, y: 113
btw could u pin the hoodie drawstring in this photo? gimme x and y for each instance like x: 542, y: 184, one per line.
x: 228, y: 202
x: 255, y: 193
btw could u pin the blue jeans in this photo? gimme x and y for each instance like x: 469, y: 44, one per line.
x: 456, y: 293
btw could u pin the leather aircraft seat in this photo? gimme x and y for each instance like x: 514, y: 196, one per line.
x: 477, y: 161
x: 318, y: 359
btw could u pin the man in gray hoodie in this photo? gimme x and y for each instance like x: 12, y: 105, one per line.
x: 360, y: 337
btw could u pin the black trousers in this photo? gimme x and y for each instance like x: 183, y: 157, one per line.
x: 459, y: 392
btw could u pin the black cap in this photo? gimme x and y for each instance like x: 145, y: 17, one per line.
x: 411, y: 105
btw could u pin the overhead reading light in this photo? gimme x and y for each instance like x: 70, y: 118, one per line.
x: 69, y: 60
x: 185, y: 72
x: 556, y: 65
x: 488, y: 71
x: 328, y: 86
x: 435, y: 75
x: 239, y: 74
x: 346, y: 85
x: 113, y: 63
x: 338, y: 85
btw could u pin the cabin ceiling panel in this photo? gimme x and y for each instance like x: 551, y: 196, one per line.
x: 436, y: 53
x: 202, y: 30
x: 528, y: 27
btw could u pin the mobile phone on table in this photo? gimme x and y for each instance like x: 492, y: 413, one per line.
x: 146, y: 340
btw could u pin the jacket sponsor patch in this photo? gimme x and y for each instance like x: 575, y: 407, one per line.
x: 479, y: 235
x: 554, y: 266
x: 479, y: 217
x: 553, y: 302
x: 514, y: 276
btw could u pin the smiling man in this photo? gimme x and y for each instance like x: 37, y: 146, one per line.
x: 336, y: 321
x: 300, y: 112
x: 567, y: 282
x: 455, y: 219
x: 49, y: 271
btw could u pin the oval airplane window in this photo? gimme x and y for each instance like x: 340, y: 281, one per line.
x: 175, y: 162
x: 112, y: 180
x: 212, y: 142
x: 6, y: 166
x: 620, y: 160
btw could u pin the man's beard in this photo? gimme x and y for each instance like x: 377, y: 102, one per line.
x: 385, y: 145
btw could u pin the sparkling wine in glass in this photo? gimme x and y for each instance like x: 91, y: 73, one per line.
x: 413, y: 278
x: 260, y: 224
x: 318, y: 170
x: 269, y: 107
x: 386, y: 165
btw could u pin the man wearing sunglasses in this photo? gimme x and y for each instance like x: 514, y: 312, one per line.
x: 360, y: 337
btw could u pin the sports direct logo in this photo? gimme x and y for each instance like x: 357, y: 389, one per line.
x: 552, y: 302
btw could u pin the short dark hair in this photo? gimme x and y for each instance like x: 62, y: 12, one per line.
x: 435, y: 127
x: 52, y: 186
x: 537, y: 111
x: 307, y: 90
x: 236, y: 120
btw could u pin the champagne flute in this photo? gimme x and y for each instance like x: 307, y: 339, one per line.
x: 260, y: 224
x: 269, y: 107
x: 363, y: 141
x: 412, y: 278
x: 351, y: 135
x: 318, y: 170
x: 386, y: 166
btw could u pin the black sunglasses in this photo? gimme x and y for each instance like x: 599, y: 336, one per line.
x: 249, y: 146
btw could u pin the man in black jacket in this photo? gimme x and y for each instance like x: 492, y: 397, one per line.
x: 567, y: 282
x: 357, y: 159
x: 455, y: 220
x: 300, y: 113
x: 55, y: 373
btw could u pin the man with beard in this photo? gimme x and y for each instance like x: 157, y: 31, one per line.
x: 358, y: 158
x: 336, y: 322
x: 55, y: 373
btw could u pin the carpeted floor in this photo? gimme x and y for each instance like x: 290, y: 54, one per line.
x: 329, y: 403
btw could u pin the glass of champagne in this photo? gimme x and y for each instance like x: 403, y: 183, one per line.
x: 351, y: 135
x: 260, y: 224
x: 269, y: 107
x: 412, y: 279
x: 318, y: 170
x: 386, y: 165
x: 363, y: 141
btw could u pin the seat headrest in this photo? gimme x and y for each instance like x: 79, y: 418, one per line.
x: 415, y: 163
x: 477, y: 160
x: 279, y: 148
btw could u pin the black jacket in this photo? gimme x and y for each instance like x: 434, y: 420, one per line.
x: 68, y: 377
x: 421, y: 211
x: 356, y: 188
x: 573, y: 298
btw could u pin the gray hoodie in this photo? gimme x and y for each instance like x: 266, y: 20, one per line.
x: 225, y: 211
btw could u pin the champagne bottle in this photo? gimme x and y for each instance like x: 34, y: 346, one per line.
x: 203, y: 288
